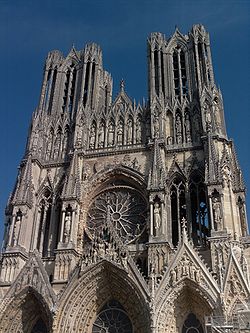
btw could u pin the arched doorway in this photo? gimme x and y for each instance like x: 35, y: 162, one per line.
x: 112, y: 319
x: 39, y: 327
x: 192, y: 325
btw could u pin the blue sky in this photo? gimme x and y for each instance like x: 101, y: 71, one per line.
x: 29, y: 29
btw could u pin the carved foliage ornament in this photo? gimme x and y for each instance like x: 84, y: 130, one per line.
x: 126, y: 209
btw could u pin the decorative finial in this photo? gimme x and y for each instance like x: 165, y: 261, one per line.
x: 122, y: 85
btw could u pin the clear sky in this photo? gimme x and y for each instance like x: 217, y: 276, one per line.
x: 31, y: 28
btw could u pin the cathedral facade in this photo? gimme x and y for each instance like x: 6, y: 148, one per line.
x: 125, y: 217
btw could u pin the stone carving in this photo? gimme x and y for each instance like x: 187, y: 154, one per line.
x: 130, y: 132
x: 138, y: 131
x: 101, y: 136
x: 217, y: 211
x: 107, y: 160
x: 188, y: 128
x: 178, y: 128
x: 156, y: 127
x: 185, y: 269
x: 111, y: 134
x: 157, y: 218
x: 120, y: 133
x: 67, y: 226
x: 85, y: 171
x: 16, y: 230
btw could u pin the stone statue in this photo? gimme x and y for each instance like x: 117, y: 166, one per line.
x: 35, y: 142
x: 65, y: 142
x: 188, y: 128
x: 196, y: 127
x: 156, y: 127
x: 130, y: 132
x: 120, y: 133
x: 49, y: 146
x: 173, y: 276
x: 92, y: 137
x: 178, y: 129
x: 217, y: 212
x: 67, y: 226
x: 157, y: 218
x: 16, y: 229
x: 101, y: 136
x: 208, y: 117
x: 111, y: 133
x: 138, y: 131
x: 56, y: 146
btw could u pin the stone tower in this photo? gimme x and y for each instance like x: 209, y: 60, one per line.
x: 125, y: 217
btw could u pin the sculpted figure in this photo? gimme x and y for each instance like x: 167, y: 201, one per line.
x: 157, y: 218
x: 156, y: 127
x: 178, y: 129
x: 217, y: 212
x: 92, y: 137
x: 130, y: 132
x: 16, y: 229
x: 173, y: 276
x: 138, y: 131
x: 67, y: 226
x: 101, y: 136
x: 111, y: 133
x: 188, y: 128
x: 119, y: 133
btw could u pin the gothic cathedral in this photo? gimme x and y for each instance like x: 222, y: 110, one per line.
x: 126, y: 217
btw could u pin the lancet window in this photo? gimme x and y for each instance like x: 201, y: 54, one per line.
x: 201, y: 62
x: 178, y: 208
x: 69, y: 89
x: 180, y: 73
x: 89, y: 83
x: 50, y: 88
x: 159, y: 72
x: 44, y: 217
x: 199, y: 211
x: 112, y: 318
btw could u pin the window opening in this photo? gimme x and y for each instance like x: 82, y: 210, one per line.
x: 112, y: 318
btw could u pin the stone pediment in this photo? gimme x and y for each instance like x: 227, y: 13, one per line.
x: 188, y: 265
x: 33, y: 275
x: 235, y: 284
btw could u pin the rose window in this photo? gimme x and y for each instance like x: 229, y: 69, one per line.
x: 126, y: 209
x: 112, y: 319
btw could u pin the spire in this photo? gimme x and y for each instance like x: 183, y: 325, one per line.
x: 72, y: 186
x: 157, y: 174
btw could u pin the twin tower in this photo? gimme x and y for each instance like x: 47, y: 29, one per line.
x: 127, y: 217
